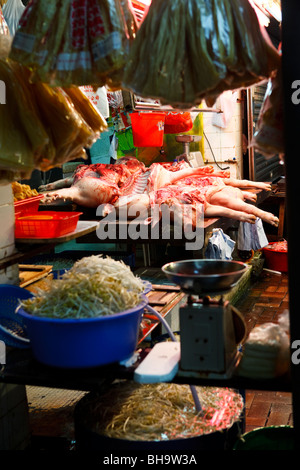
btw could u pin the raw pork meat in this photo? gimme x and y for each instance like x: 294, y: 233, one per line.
x: 92, y: 185
x: 129, y: 183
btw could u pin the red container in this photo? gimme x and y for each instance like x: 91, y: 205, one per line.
x: 147, y: 129
x: 30, y: 204
x: 45, y: 224
x: 276, y: 256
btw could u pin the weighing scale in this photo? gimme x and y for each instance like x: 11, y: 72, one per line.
x: 211, y: 329
x: 186, y: 140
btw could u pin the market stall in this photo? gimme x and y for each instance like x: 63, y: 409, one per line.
x: 151, y: 193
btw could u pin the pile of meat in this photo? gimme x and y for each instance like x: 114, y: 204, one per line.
x: 129, y: 183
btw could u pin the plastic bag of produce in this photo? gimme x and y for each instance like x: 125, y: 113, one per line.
x: 75, y: 42
x: 38, y: 21
x: 268, y: 136
x: 157, y: 55
x: 189, y: 50
x: 70, y: 62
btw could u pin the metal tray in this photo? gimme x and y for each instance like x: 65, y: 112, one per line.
x: 205, y: 277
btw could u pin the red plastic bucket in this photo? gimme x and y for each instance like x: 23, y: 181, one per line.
x: 147, y: 129
x: 276, y: 256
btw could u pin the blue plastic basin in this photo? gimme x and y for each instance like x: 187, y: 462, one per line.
x: 86, y: 342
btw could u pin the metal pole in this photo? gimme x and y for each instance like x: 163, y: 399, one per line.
x: 250, y: 133
x: 291, y: 73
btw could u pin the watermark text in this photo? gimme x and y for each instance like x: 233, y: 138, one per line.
x: 2, y: 353
x: 161, y: 222
x: 2, y: 92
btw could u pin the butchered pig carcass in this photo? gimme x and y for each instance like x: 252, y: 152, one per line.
x: 130, y: 183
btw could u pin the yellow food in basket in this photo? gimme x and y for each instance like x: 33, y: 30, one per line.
x: 36, y: 217
x: 22, y: 191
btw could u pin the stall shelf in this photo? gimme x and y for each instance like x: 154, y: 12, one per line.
x: 22, y: 368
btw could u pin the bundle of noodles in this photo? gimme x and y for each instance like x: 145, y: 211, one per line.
x: 42, y: 126
x: 256, y: 57
x: 79, y: 43
x: 43, y: 148
x: 159, y: 412
x: 189, y: 50
x: 68, y: 129
x: 86, y: 108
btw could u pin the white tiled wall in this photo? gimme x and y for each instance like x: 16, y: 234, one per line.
x: 226, y: 142
x: 8, y: 275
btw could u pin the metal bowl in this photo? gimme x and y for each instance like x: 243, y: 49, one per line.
x: 200, y: 276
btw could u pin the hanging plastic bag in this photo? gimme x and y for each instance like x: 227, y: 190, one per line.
x: 15, y: 148
x: 252, y: 236
x: 12, y: 11
x: 175, y: 123
x: 268, y: 137
x: 226, y: 103
x: 98, y: 98
x: 38, y: 22
x: 220, y: 246
x: 187, y: 51
x: 71, y: 42
x: 3, y: 24
x: 5, y: 37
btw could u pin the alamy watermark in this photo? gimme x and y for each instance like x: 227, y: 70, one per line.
x: 295, y: 358
x: 2, y: 353
x: 161, y: 222
x: 2, y: 92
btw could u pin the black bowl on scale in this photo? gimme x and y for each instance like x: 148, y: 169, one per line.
x: 204, y: 276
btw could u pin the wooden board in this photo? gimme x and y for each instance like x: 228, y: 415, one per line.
x: 29, y: 273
